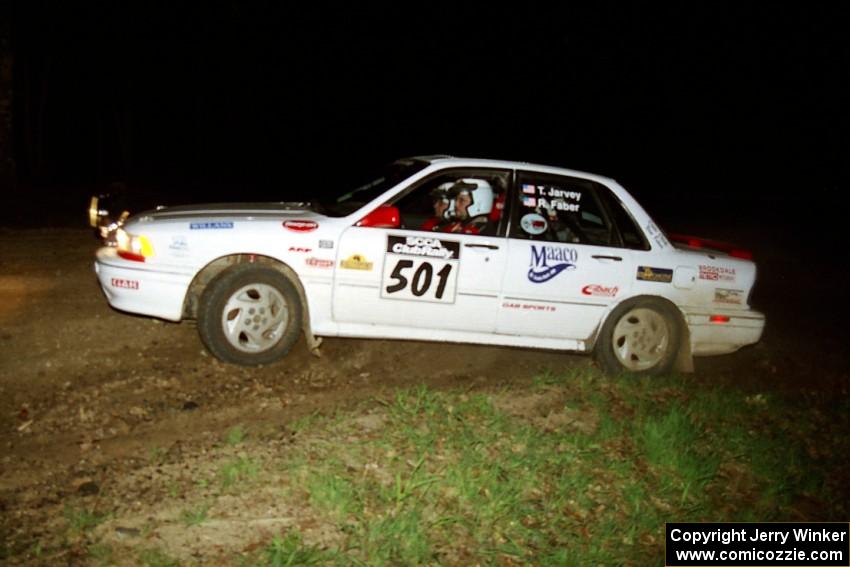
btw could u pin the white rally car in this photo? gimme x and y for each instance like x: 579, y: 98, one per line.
x: 438, y: 249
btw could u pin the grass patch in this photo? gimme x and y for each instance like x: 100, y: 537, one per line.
x: 155, y: 557
x: 195, y: 516
x: 291, y: 550
x: 235, y: 435
x: 82, y: 520
x: 577, y: 469
x: 102, y: 554
x: 237, y: 471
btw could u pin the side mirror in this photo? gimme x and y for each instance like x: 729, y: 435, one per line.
x: 385, y: 216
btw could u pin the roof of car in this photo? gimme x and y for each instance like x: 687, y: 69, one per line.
x: 480, y: 162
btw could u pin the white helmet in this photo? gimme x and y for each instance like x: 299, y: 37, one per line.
x: 479, y: 190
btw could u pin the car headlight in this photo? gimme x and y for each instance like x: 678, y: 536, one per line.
x: 94, y: 212
x: 133, y: 246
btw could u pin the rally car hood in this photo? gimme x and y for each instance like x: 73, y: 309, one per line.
x: 231, y: 210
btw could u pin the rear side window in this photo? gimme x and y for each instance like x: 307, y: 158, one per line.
x: 630, y: 234
x: 556, y: 208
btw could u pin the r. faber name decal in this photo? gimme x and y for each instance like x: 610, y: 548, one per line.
x: 550, y: 198
x: 549, y: 261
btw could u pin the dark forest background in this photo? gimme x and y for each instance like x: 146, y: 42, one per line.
x: 705, y: 104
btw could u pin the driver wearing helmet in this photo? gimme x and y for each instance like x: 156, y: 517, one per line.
x: 469, y: 210
x: 440, y: 202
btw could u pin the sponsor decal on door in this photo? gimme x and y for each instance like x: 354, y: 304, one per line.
x: 549, y: 261
x: 420, y: 268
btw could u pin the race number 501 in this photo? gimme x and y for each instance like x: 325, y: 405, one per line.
x: 420, y: 270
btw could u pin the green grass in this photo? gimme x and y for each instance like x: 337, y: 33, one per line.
x: 235, y: 435
x: 102, y: 554
x: 155, y: 557
x: 237, y: 471
x: 195, y: 516
x: 577, y: 469
x: 82, y: 520
x: 291, y: 550
x: 456, y: 477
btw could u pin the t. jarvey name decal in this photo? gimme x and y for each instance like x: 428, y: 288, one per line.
x: 549, y: 261
x: 420, y: 268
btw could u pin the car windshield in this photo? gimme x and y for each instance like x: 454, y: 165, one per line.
x: 390, y: 176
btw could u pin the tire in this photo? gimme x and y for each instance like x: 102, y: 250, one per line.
x: 249, y: 315
x: 641, y: 336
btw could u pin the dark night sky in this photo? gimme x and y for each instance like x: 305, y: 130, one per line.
x: 236, y: 98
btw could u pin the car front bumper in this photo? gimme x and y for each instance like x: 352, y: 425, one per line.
x: 137, y: 288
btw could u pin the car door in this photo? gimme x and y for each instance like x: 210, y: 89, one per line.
x: 566, y: 259
x: 431, y: 279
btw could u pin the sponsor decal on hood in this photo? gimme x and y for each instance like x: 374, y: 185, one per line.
x: 300, y: 225
x: 210, y: 225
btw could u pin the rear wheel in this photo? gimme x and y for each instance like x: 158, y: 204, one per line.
x: 641, y: 336
x: 249, y: 315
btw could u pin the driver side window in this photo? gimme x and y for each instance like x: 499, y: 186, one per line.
x: 468, y: 201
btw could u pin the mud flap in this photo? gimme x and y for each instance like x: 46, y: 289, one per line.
x: 684, y: 359
x: 313, y: 343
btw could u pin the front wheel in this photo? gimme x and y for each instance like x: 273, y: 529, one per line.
x: 641, y: 336
x: 249, y: 315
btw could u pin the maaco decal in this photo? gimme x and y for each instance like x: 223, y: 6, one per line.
x: 549, y: 261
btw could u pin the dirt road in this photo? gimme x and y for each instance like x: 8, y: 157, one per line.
x: 88, y: 393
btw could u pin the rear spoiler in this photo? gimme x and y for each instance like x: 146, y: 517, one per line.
x: 697, y: 242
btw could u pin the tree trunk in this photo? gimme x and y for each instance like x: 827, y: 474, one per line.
x: 7, y: 162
